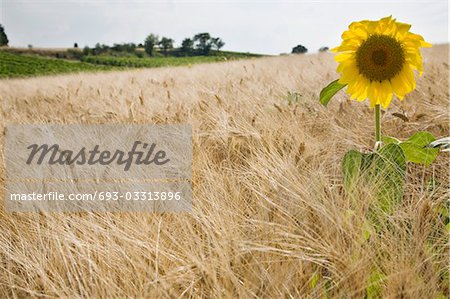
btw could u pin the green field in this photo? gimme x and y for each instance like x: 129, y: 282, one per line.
x: 24, y: 65
x: 150, y: 62
x: 16, y: 65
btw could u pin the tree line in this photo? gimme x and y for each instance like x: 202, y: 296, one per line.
x: 300, y: 49
x: 200, y: 44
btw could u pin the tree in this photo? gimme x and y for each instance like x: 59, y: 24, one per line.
x: 150, y: 42
x: 97, y: 49
x: 3, y: 38
x: 203, y: 43
x: 323, y: 49
x: 187, y: 45
x: 86, y: 50
x: 125, y: 47
x: 166, y: 44
x: 299, y: 49
x: 100, y: 49
x: 217, y: 43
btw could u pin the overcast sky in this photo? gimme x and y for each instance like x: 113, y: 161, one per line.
x: 269, y: 27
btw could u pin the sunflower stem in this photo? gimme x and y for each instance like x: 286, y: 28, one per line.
x: 377, y: 126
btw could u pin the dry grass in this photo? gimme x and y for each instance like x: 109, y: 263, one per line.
x: 269, y: 213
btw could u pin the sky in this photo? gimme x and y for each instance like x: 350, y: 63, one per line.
x: 264, y: 26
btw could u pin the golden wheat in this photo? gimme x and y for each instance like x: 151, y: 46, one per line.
x: 270, y: 218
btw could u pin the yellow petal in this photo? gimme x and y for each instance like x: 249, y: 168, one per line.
x: 363, y: 86
x: 348, y: 45
x: 415, y: 61
x: 372, y: 93
x: 386, y: 26
x: 352, y: 89
x: 403, y: 83
x: 358, y: 29
x: 408, y: 74
x: 358, y: 88
x: 349, y: 74
x: 335, y: 49
x: 385, y: 93
x: 343, y: 65
x: 402, y: 30
x: 416, y: 40
x: 343, y: 57
x: 425, y: 44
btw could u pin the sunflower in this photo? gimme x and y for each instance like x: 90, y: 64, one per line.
x: 377, y: 60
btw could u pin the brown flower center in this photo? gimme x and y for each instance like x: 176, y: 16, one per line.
x: 380, y: 58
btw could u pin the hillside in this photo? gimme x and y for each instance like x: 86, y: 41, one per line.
x: 21, y: 62
x: 16, y: 65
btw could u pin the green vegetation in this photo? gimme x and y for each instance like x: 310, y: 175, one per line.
x: 150, y: 62
x: 166, y: 44
x: 150, y: 42
x: 187, y: 47
x: 162, y: 61
x: 154, y: 52
x: 22, y: 65
x: 299, y: 49
x: 202, y: 44
x: 16, y: 65
x: 3, y: 38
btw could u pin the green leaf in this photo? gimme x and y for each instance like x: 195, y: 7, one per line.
x: 374, y: 290
x: 419, y: 155
x: 314, y: 280
x: 393, y: 155
x: 441, y: 296
x: 416, y: 148
x: 351, y: 167
x: 366, y: 231
x: 421, y: 138
x: 384, y: 172
x: 388, y: 140
x: 367, y: 160
x: 329, y: 91
x: 389, y: 172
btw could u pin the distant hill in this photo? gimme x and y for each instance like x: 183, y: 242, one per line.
x: 24, y: 62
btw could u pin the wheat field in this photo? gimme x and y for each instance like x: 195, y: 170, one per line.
x: 270, y: 217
